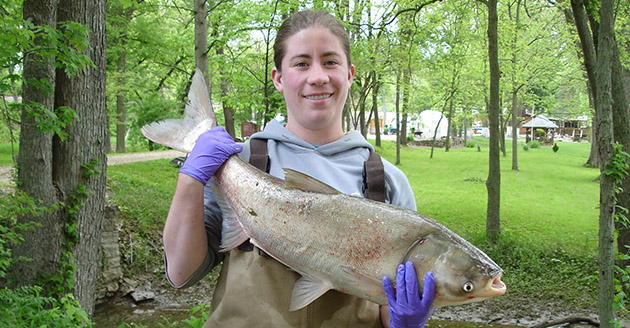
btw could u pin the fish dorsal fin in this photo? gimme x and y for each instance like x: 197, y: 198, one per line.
x: 299, y: 180
x: 305, y: 291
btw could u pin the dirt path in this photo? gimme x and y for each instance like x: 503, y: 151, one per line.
x: 5, y: 171
x: 138, y: 157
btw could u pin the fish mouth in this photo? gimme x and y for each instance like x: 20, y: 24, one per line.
x: 495, y: 286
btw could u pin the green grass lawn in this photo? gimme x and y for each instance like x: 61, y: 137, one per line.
x: 552, y: 199
x: 5, y: 154
x: 549, y: 216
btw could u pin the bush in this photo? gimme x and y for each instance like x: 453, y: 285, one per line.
x: 534, y: 144
x: 11, y: 207
x: 539, y: 133
x: 470, y: 144
x: 525, y: 147
x: 25, y: 307
x: 555, y: 147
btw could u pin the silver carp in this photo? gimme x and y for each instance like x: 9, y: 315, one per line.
x: 333, y: 240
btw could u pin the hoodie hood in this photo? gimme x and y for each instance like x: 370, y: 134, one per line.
x: 276, y: 131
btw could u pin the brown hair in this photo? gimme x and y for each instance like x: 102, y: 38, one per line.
x: 306, y: 19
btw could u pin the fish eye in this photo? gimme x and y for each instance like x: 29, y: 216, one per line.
x: 468, y: 287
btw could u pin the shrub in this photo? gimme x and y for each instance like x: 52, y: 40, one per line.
x: 555, y: 147
x: 478, y: 148
x: 11, y: 207
x: 470, y: 144
x: 26, y: 307
x: 534, y: 144
x: 539, y: 133
x: 525, y: 147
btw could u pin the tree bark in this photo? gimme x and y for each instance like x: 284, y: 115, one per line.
x: 515, y: 123
x: 80, y: 159
x: 590, y: 60
x: 621, y: 131
x: 398, y: 119
x: 447, y: 145
x: 607, y: 182
x: 228, y: 114
x: 121, y: 123
x: 201, y: 42
x: 493, y: 183
x: 377, y: 123
x: 402, y: 133
x: 35, y: 161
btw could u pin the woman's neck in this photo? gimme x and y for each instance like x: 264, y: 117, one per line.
x: 316, y: 137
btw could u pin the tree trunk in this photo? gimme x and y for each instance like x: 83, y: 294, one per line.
x: 397, y: 119
x: 227, y: 109
x: 402, y: 133
x: 447, y: 144
x: 35, y: 161
x: 80, y: 159
x: 607, y: 182
x: 362, y: 124
x: 121, y: 123
x: 514, y: 131
x: 590, y: 60
x: 493, y: 184
x: 621, y: 129
x: 502, y: 129
x: 201, y: 42
x: 377, y: 125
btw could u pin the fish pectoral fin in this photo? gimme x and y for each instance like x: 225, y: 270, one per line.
x: 299, y: 180
x: 305, y: 291
x: 232, y: 232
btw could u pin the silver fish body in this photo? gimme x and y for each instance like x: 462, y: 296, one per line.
x: 346, y: 243
x: 335, y: 241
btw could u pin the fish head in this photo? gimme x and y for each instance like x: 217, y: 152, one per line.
x: 463, y: 273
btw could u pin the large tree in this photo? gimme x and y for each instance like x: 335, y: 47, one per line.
x: 493, y: 183
x: 65, y: 165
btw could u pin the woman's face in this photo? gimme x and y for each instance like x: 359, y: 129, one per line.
x: 314, y: 79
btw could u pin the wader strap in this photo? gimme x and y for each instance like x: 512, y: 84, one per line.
x: 258, y: 155
x: 374, y: 178
x: 259, y: 158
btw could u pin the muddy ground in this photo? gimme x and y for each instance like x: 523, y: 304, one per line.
x: 503, y: 311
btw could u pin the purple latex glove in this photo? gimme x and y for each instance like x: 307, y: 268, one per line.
x: 213, y: 147
x: 408, y: 308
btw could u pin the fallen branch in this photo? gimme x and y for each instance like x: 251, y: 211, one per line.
x: 568, y: 320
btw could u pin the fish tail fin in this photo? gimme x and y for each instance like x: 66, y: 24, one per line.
x: 181, y: 134
x: 199, y: 106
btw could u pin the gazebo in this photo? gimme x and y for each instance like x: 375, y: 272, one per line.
x: 540, y: 122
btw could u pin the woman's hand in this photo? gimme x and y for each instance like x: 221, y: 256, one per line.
x: 407, y: 308
x: 213, y: 147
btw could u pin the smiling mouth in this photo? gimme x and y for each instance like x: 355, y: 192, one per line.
x: 318, y: 97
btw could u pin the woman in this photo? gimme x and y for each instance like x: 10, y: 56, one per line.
x: 314, y: 73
